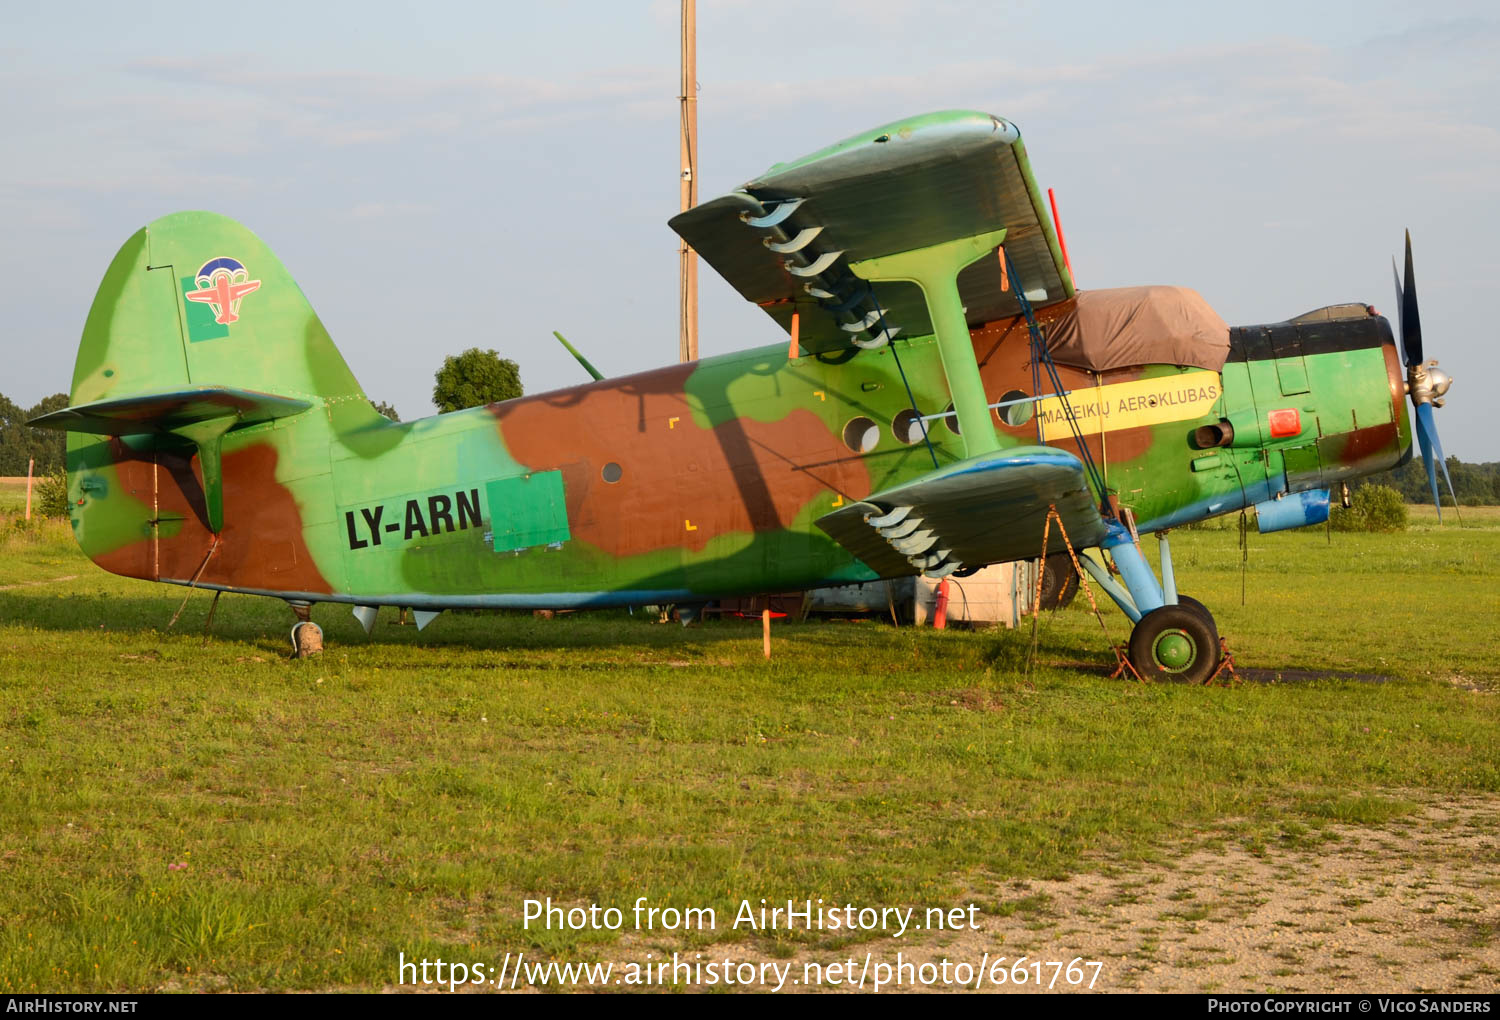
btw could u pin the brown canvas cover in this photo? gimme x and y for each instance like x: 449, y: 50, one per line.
x: 1124, y: 326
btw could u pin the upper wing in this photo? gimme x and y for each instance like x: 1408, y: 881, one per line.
x: 987, y: 509
x: 785, y: 239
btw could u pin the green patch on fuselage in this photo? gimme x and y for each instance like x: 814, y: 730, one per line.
x: 202, y: 324
x: 527, y: 511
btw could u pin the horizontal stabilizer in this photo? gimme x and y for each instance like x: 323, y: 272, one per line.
x: 199, y: 414
x: 168, y: 411
x: 986, y: 509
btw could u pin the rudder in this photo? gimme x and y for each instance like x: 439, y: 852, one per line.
x: 205, y: 398
x: 196, y: 299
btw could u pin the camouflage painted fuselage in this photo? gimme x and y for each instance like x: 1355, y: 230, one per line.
x: 684, y: 483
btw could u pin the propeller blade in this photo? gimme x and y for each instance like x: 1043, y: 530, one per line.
x: 1411, y: 324
x: 1426, y: 444
x: 1400, y: 325
x: 1427, y: 431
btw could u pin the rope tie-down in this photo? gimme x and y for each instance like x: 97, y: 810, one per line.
x: 1122, y: 661
x: 1224, y: 672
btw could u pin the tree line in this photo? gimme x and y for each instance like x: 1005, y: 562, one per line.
x: 19, y: 444
x: 1473, y: 484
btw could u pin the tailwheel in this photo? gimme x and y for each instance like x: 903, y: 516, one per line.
x: 1177, y: 642
x: 307, y: 640
x: 307, y: 637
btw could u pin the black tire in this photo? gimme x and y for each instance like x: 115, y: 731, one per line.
x: 1059, y: 581
x: 1176, y: 643
x: 1189, y: 601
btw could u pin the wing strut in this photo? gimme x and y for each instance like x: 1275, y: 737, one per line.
x: 1040, y: 356
x: 935, y: 270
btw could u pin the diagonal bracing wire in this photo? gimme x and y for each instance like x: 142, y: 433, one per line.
x: 1041, y: 358
x: 909, y: 395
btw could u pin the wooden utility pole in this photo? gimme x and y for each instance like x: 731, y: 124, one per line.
x: 687, y: 337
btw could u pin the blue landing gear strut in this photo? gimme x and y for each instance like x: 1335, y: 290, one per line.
x: 1174, y: 637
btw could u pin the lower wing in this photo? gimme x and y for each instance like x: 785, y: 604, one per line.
x: 986, y: 509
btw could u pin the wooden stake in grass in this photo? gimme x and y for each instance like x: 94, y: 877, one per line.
x: 765, y: 628
x: 29, y: 465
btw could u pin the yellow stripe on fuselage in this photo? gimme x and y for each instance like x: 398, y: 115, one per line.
x: 1129, y: 405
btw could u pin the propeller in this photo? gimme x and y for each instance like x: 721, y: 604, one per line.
x: 1425, y: 382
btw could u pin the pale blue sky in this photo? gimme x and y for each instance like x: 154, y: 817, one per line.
x: 1268, y: 156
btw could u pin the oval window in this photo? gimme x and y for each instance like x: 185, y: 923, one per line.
x: 952, y: 421
x: 1018, y: 409
x: 861, y: 434
x: 612, y: 472
x: 908, y: 427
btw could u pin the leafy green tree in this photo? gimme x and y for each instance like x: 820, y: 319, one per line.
x: 388, y: 410
x: 1372, y: 508
x: 475, y: 378
x: 52, y: 494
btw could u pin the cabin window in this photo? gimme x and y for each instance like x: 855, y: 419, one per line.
x: 1014, y: 413
x: 861, y: 434
x: 951, y: 420
x: 908, y: 426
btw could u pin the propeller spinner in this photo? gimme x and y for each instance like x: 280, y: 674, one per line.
x: 1426, y: 384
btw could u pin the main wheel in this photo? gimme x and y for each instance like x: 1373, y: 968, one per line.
x: 1059, y: 581
x: 1176, y: 643
x: 1188, y: 600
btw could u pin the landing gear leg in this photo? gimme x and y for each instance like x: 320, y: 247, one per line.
x: 1175, y: 637
x: 307, y: 637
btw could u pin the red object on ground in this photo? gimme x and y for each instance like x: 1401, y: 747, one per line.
x: 795, y: 352
x: 1285, y: 422
x: 940, y: 612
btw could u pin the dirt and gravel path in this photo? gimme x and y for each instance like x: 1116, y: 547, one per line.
x: 1409, y: 905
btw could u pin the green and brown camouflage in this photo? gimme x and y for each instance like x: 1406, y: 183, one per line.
x: 680, y: 484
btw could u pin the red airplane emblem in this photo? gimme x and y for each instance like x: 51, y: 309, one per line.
x: 224, y: 296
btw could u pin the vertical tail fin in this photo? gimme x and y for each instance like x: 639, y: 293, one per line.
x: 195, y: 299
x: 205, y: 398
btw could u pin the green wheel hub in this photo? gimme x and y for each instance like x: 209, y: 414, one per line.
x: 1176, y: 642
x: 1174, y: 650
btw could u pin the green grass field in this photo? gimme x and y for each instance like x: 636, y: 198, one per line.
x: 188, y: 814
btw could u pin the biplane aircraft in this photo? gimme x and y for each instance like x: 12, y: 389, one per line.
x: 944, y: 388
